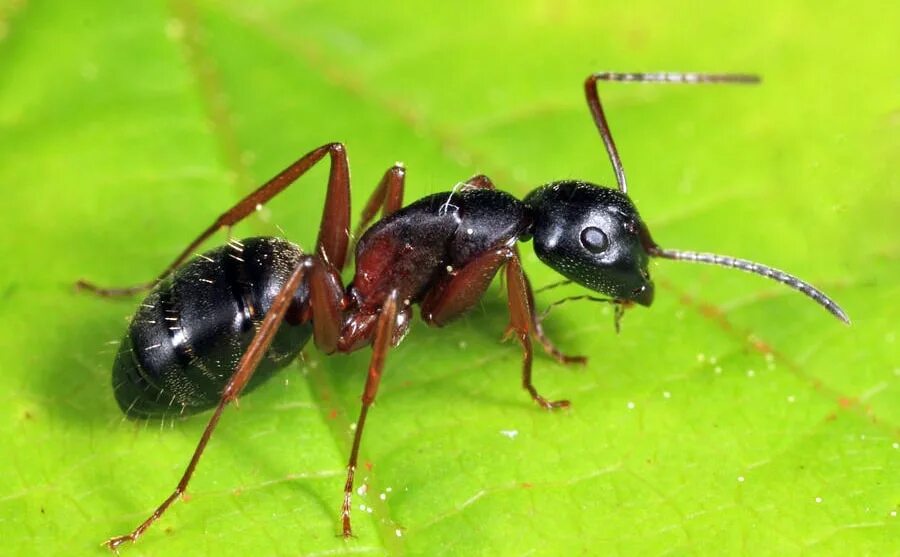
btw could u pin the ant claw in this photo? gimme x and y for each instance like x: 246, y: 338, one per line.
x: 552, y: 404
x: 113, y: 543
x: 346, y: 530
x: 580, y: 360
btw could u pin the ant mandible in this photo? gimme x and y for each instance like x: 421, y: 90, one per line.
x: 225, y: 321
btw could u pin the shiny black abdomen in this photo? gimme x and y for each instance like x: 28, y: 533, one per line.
x: 188, y: 335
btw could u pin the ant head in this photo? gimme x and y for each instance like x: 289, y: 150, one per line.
x: 593, y: 236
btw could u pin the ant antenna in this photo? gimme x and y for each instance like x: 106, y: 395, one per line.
x: 756, y: 268
x: 593, y: 100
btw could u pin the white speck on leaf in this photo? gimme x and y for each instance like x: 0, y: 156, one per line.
x: 511, y: 433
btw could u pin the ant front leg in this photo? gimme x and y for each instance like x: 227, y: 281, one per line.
x: 384, y: 334
x: 244, y: 371
x: 460, y: 290
x: 481, y: 181
x: 333, y: 232
x: 538, y: 330
x: 522, y: 319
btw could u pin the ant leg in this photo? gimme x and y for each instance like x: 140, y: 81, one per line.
x: 483, y: 182
x: 521, y: 316
x: 479, y: 181
x: 326, y: 299
x: 244, y: 371
x: 333, y: 232
x: 538, y: 330
x: 460, y: 290
x: 384, y: 335
x: 593, y: 100
x: 388, y: 197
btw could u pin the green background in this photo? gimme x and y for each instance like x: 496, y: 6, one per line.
x: 734, y: 417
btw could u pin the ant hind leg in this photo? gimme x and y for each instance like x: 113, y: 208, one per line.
x: 333, y: 232
x: 242, y: 374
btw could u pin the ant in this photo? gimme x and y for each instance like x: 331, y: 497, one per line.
x: 222, y: 323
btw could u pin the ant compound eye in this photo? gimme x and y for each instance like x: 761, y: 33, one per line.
x: 594, y: 240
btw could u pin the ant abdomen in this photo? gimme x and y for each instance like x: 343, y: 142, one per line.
x: 188, y: 335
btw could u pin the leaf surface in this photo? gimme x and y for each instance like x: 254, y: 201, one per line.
x: 734, y: 417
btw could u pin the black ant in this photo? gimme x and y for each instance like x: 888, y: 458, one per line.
x: 211, y: 328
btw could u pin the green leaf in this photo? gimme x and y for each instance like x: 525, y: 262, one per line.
x: 734, y: 417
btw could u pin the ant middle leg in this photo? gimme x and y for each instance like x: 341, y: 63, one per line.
x: 388, y: 197
x: 593, y: 100
x: 381, y: 344
x: 479, y: 181
x: 333, y: 232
